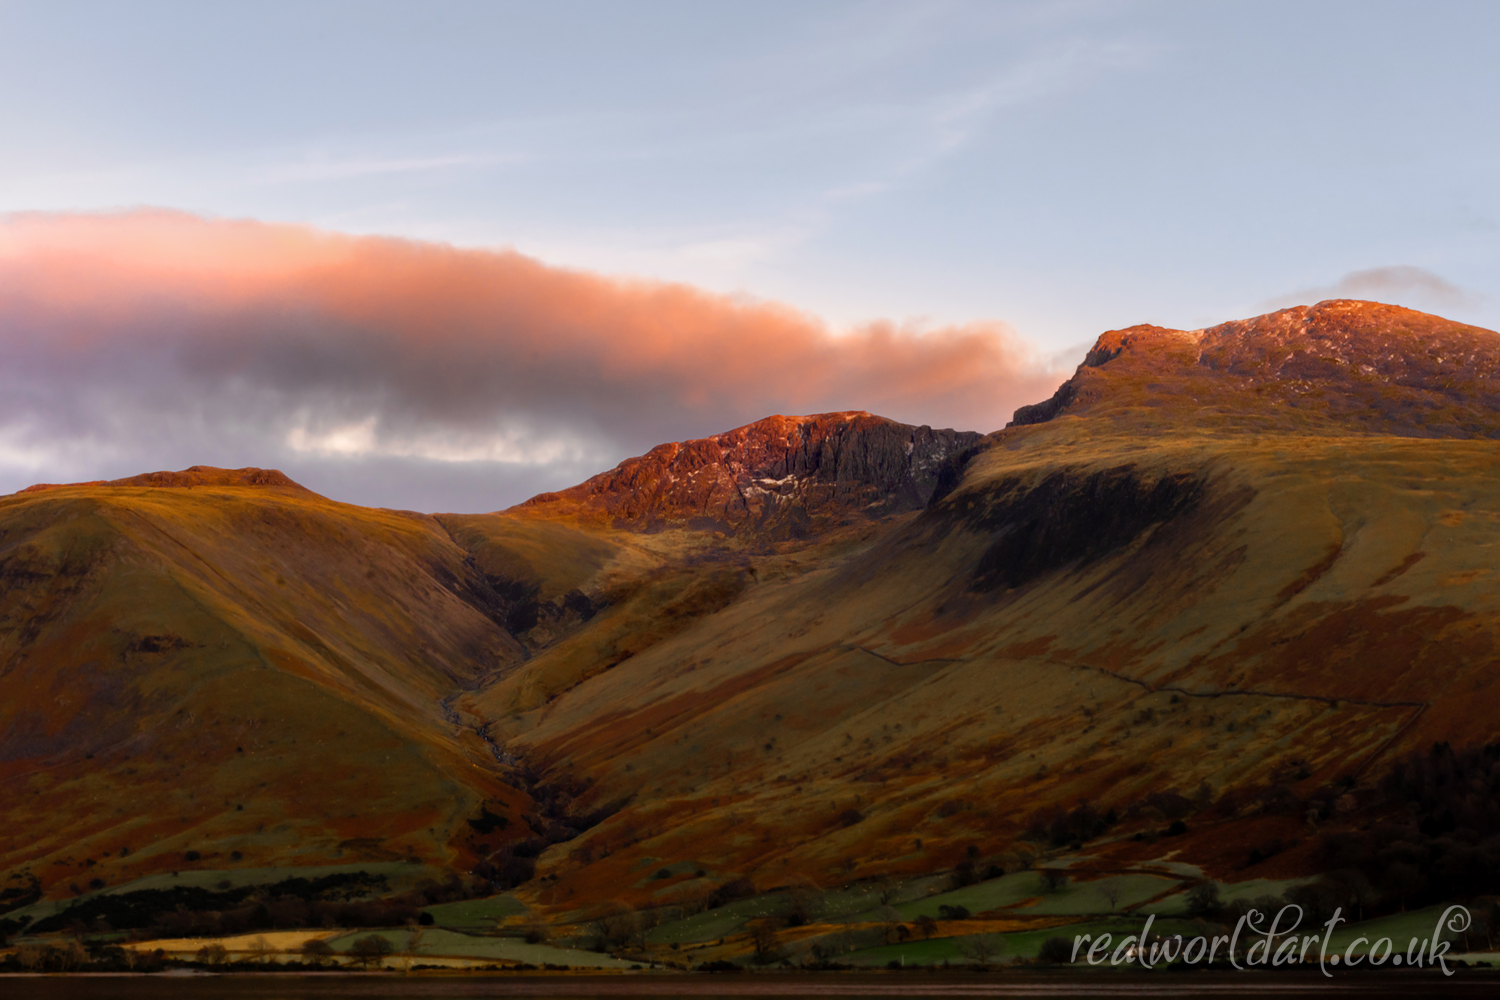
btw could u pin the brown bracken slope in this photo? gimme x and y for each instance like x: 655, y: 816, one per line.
x: 1234, y: 565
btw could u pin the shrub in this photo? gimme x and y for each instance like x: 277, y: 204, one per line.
x: 1056, y: 950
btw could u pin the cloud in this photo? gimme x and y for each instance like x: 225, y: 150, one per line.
x: 1397, y: 285
x: 154, y: 339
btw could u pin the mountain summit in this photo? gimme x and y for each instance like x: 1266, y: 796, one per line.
x: 1224, y: 579
x: 780, y: 476
x: 1338, y: 367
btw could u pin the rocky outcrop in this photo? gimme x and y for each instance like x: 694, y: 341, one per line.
x: 783, y: 476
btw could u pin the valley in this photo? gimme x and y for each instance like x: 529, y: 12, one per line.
x: 1176, y: 626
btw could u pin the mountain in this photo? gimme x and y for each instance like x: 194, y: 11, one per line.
x: 226, y: 663
x: 1227, y: 577
x: 1335, y: 368
x: 221, y: 668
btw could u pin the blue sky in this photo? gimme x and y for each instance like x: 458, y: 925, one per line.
x: 1060, y: 167
x: 1064, y: 167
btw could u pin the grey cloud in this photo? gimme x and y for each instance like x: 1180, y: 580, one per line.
x: 1398, y: 285
x: 416, y: 375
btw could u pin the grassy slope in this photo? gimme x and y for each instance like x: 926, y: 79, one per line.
x: 1347, y: 573
x: 227, y: 669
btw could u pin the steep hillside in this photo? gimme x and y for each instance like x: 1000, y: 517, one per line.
x: 1224, y: 577
x: 226, y: 663
x: 1205, y: 577
x: 218, y: 668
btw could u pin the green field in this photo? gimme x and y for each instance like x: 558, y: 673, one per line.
x: 1080, y: 898
x: 1399, y: 927
x: 1021, y: 945
x: 852, y: 903
x: 712, y: 924
x: 475, y: 913
x: 1254, y: 888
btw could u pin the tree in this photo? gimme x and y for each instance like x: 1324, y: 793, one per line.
x: 980, y: 948
x: 622, y: 927
x: 71, y: 955
x: 371, y: 949
x: 213, y: 954
x: 316, y: 950
x: 1203, y: 900
x: 1110, y: 890
x: 927, y: 926
x: 767, y: 943
x: 800, y: 907
x: 261, y: 950
x: 1054, y: 879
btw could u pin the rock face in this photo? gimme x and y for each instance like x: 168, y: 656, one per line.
x: 1337, y: 367
x: 782, y: 476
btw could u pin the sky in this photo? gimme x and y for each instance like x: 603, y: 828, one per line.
x: 446, y: 255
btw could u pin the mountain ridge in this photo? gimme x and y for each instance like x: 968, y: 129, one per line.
x: 745, y: 478
x: 1341, y: 366
x: 1204, y: 575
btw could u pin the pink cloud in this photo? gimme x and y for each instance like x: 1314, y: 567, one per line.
x: 389, y: 346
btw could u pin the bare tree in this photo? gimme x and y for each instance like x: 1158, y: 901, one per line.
x: 316, y: 951
x: 261, y: 950
x: 767, y: 943
x: 622, y: 927
x: 213, y: 954
x: 371, y: 949
x: 981, y: 948
x: 1109, y: 889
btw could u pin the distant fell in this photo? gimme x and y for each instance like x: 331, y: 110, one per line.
x: 1337, y: 367
x: 196, y: 475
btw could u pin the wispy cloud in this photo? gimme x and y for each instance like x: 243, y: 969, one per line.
x: 335, y: 169
x: 1400, y: 284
